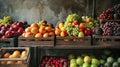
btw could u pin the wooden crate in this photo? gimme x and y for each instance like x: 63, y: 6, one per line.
x: 73, y: 41
x: 106, y: 40
x: 9, y: 42
x: 49, y: 41
x: 25, y: 60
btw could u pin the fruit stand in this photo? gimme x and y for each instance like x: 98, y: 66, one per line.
x: 78, y: 41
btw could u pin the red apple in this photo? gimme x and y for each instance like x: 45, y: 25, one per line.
x: 8, y: 33
x: 87, y: 31
x: 20, y: 30
x: 15, y: 26
x: 75, y: 23
x: 3, y: 36
x: 2, y: 32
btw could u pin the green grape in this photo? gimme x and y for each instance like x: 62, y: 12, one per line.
x: 75, y: 31
x: 73, y: 17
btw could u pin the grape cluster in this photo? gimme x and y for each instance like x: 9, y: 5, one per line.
x: 73, y: 17
x: 110, y: 29
x: 107, y: 15
x: 111, y: 13
x: 6, y: 20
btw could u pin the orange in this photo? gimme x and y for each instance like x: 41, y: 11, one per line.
x: 34, y: 25
x: 3, y: 62
x: 11, y: 56
x: 51, y: 33
x: 57, y: 31
x: 6, y: 55
x: 82, y: 25
x: 28, y: 29
x: 38, y: 35
x: 46, y: 35
x: 28, y: 34
x: 42, y: 30
x: 19, y: 62
x: 34, y: 30
x: 10, y: 62
x: 48, y: 28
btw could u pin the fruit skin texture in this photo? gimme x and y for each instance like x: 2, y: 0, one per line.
x: 87, y: 31
x: 86, y: 64
x: 79, y: 61
x: 87, y: 59
x: 95, y: 61
x: 73, y: 65
x: 110, y: 60
x: 81, y: 34
x: 6, y: 55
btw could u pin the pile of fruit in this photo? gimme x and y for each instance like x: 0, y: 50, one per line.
x: 39, y: 29
x: 14, y: 54
x: 111, y: 13
x: 76, y: 26
x: 54, y: 62
x: 12, y: 29
x: 90, y: 60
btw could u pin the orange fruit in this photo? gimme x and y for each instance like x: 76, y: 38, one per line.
x: 11, y: 56
x: 82, y: 25
x: 28, y: 34
x: 42, y: 30
x: 57, y: 31
x: 19, y: 62
x: 16, y: 54
x: 6, y: 55
x: 34, y: 30
x: 34, y: 25
x: 10, y: 62
x: 3, y: 62
x: 38, y: 35
x: 46, y: 35
x: 51, y: 33
x: 48, y: 28
x: 28, y: 29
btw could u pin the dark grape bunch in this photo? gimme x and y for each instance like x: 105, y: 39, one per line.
x: 111, y: 13
x: 110, y: 29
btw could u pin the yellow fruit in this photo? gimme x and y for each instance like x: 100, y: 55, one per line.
x: 24, y: 54
x: 87, y: 59
x: 46, y: 35
x: 61, y: 24
x: 10, y: 62
x: 16, y: 54
x: 63, y: 29
x: 38, y: 35
x: 19, y: 62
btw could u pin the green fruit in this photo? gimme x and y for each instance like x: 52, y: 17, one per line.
x: 95, y: 61
x: 110, y: 60
x: 79, y: 61
x: 107, y: 65
x: 94, y: 65
x: 73, y: 61
x: 102, y: 61
x: 81, y: 34
x: 86, y: 64
x: 118, y: 60
x: 115, y: 64
x: 73, y: 65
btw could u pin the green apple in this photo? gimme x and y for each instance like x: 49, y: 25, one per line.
x: 86, y: 64
x: 81, y: 34
x: 102, y: 61
x: 118, y: 60
x: 95, y: 61
x: 115, y: 64
x: 87, y: 59
x: 79, y: 61
x: 73, y: 65
x: 107, y: 64
x: 73, y: 61
x: 94, y: 65
x: 110, y: 60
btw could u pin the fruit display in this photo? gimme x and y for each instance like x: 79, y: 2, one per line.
x: 106, y: 59
x: 39, y: 29
x: 54, y: 62
x: 76, y: 26
x: 6, y: 20
x: 10, y: 54
x: 111, y: 13
x: 12, y: 30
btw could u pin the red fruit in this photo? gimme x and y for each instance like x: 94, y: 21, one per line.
x: 20, y: 24
x: 3, y: 37
x: 75, y: 23
x: 87, y: 31
x: 20, y: 30
x: 8, y: 33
